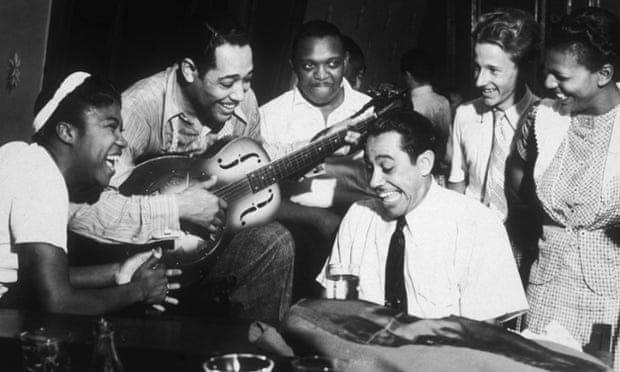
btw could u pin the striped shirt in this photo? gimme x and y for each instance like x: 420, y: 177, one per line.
x: 157, y: 120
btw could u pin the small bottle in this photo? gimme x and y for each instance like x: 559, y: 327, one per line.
x: 104, y: 357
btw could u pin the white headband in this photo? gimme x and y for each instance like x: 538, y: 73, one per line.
x: 67, y: 86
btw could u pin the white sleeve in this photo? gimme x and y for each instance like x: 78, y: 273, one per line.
x: 492, y: 287
x: 40, y: 210
x: 457, y: 162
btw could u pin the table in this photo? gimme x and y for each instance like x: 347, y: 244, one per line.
x: 152, y: 343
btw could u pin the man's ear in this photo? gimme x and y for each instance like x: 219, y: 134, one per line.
x: 425, y: 162
x: 605, y: 75
x: 66, y: 132
x: 189, y: 72
x: 347, y: 58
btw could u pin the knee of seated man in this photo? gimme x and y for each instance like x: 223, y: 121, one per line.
x: 270, y: 238
x: 280, y: 238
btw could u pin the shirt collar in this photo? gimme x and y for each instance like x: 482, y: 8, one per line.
x: 514, y: 112
x: 428, y: 204
x: 424, y: 89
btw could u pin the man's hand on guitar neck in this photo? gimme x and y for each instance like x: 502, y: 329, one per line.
x: 199, y: 206
x: 352, y: 138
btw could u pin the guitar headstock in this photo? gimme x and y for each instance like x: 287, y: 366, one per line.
x: 384, y: 98
x: 384, y: 90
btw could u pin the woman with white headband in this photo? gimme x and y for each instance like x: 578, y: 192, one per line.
x: 76, y: 142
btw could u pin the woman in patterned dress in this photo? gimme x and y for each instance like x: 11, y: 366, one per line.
x: 570, y: 148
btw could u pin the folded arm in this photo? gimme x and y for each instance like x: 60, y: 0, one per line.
x: 47, y: 269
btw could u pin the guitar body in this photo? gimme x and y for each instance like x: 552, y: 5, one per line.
x: 246, y: 180
x: 230, y: 161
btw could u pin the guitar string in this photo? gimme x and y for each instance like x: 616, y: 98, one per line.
x: 239, y: 188
x: 264, y: 176
x: 280, y: 168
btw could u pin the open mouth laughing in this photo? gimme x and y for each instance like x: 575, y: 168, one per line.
x: 560, y: 96
x: 488, y: 92
x: 389, y: 197
x: 228, y: 107
x: 112, y: 160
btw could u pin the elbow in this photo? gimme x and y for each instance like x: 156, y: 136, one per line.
x: 52, y: 302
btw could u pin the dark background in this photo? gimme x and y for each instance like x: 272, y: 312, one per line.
x: 130, y: 39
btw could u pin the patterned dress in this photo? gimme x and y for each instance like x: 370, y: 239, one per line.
x: 576, y: 279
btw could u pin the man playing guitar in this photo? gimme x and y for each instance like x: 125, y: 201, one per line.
x: 185, y: 109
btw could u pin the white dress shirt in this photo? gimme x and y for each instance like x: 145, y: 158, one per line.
x: 458, y: 260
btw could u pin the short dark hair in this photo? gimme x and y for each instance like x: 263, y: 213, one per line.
x: 354, y: 50
x: 417, y: 132
x: 357, y: 65
x: 593, y: 34
x: 95, y: 92
x: 317, y: 29
x: 203, y: 37
x: 513, y: 30
x: 418, y: 63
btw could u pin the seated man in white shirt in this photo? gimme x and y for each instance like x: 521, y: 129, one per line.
x: 457, y: 259
x: 321, y: 99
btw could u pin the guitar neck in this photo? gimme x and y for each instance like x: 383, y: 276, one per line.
x: 307, y: 156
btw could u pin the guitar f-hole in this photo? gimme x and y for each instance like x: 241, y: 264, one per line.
x: 242, y: 158
x: 255, y: 207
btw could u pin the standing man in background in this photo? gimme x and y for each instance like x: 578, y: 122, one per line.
x: 321, y: 98
x: 355, y: 69
x: 506, y: 41
x: 417, y: 69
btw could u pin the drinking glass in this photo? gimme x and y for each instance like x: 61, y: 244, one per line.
x: 45, y: 350
x: 238, y: 363
x: 342, y: 281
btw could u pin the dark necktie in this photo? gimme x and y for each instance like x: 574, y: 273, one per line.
x: 395, y: 290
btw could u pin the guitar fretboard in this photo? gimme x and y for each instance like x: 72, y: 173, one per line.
x: 303, y: 158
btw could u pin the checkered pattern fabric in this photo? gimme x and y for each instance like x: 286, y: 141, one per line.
x: 576, y: 279
x: 494, y: 191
